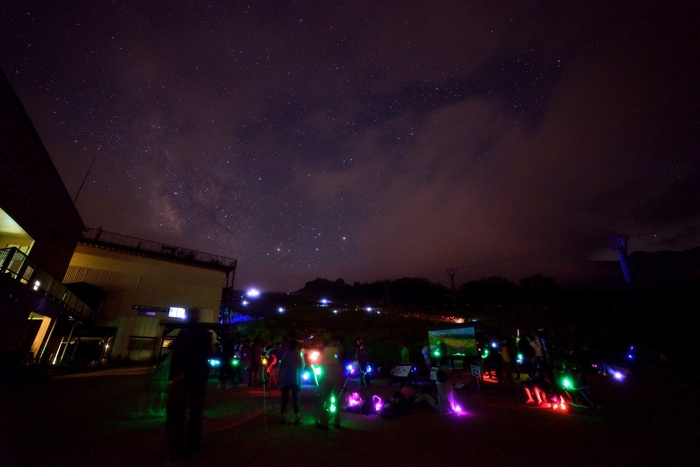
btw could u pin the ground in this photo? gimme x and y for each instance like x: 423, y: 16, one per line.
x: 89, y: 419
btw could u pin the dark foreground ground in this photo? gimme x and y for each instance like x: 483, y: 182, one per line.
x: 88, y: 420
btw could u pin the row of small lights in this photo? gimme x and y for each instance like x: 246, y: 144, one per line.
x: 254, y: 293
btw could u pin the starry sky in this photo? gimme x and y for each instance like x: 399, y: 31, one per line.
x: 371, y: 140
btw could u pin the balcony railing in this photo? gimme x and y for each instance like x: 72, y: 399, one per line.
x: 21, y: 268
x: 160, y: 250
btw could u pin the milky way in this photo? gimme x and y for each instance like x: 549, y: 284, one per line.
x: 370, y: 140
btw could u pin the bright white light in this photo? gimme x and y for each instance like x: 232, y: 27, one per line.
x: 280, y: 309
x: 335, y: 311
x: 244, y: 302
x: 176, y: 312
x: 369, y: 309
x: 36, y: 285
x: 253, y: 293
x: 325, y: 301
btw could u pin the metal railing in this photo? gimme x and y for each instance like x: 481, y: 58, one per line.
x: 161, y: 250
x: 21, y: 268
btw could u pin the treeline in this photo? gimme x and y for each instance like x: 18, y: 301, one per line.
x: 534, y: 290
x: 662, y: 316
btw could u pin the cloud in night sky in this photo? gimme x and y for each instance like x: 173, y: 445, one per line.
x: 375, y: 140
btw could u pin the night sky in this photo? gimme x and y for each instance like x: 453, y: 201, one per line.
x: 371, y: 140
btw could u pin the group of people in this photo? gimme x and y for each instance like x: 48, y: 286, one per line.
x: 244, y: 363
x: 438, y: 396
x: 188, y: 371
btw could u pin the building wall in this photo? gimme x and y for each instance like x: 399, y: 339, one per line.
x: 38, y: 216
x: 31, y: 189
x: 132, y: 280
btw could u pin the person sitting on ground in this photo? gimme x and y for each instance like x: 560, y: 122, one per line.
x: 446, y: 393
x: 426, y: 396
x: 537, y: 385
x: 396, y: 406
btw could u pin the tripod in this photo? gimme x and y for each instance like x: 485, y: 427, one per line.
x: 263, y: 379
x: 361, y: 380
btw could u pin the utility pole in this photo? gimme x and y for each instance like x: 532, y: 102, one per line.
x: 84, y: 179
x: 620, y: 247
x: 451, y: 272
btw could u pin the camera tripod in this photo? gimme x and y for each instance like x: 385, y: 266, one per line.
x: 263, y: 379
x: 361, y: 378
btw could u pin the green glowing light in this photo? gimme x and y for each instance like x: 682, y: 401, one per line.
x: 566, y: 382
x: 235, y: 362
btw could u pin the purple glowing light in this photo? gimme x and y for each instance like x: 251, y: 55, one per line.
x: 377, y: 403
x: 354, y: 400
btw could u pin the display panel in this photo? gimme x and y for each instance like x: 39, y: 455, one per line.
x: 453, y: 342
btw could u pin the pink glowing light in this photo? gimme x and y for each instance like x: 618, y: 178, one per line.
x: 377, y: 403
x: 354, y: 400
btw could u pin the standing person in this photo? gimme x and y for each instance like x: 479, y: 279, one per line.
x: 244, y: 354
x: 291, y: 336
x: 426, y: 356
x: 361, y: 354
x: 228, y: 350
x: 290, y: 367
x: 507, y: 367
x: 189, y: 370
x: 256, y: 351
x: 537, y: 347
x: 274, y: 356
x: 405, y: 357
x: 330, y: 385
x: 513, y: 356
x: 528, y: 352
x: 156, y: 389
x: 342, y: 357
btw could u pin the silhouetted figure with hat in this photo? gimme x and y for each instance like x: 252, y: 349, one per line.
x: 189, y: 371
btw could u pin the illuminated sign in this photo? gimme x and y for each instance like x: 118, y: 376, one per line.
x: 176, y: 312
x: 148, y: 308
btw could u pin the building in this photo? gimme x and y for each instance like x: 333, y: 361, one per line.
x: 39, y: 230
x: 142, y: 290
x: 74, y: 295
